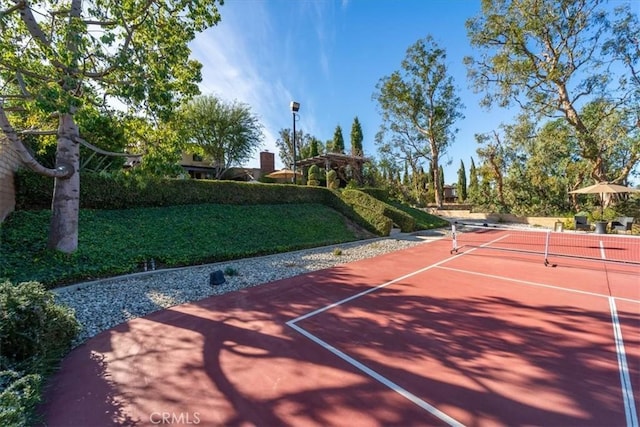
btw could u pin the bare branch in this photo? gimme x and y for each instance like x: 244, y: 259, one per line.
x: 41, y: 77
x: 62, y: 171
x: 100, y: 23
x: 32, y: 25
x: 17, y: 6
x: 22, y: 85
x: 101, y: 151
x: 37, y: 132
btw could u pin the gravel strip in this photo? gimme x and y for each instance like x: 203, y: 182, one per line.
x: 103, y: 304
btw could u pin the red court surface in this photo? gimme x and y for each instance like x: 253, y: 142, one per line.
x: 416, y: 337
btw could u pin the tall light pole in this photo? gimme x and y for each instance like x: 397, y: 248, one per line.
x: 295, y: 106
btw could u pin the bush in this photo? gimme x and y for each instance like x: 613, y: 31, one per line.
x: 34, y: 335
x: 313, y: 176
x: 423, y: 220
x: 405, y: 221
x: 371, y: 209
x: 105, y: 192
x: 19, y: 396
x: 378, y: 193
x: 32, y: 326
x: 333, y: 183
x: 97, y: 191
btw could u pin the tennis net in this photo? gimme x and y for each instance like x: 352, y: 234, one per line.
x: 548, y: 243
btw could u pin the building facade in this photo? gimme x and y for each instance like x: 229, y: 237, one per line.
x: 9, y: 164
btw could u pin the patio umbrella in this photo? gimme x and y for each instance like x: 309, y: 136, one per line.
x: 604, y: 188
x: 284, y: 174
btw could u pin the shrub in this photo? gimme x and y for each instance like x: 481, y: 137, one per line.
x: 333, y: 183
x: 34, y: 335
x: 370, y: 209
x: 98, y: 191
x: 106, y: 192
x: 424, y: 220
x: 313, y: 176
x: 19, y: 396
x: 405, y: 221
x: 32, y: 326
x: 378, y: 193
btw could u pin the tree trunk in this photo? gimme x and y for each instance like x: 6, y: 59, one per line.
x: 436, y: 181
x: 65, y: 206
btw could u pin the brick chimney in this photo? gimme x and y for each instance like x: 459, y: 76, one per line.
x: 267, y: 162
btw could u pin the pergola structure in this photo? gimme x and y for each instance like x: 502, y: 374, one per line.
x: 338, y: 162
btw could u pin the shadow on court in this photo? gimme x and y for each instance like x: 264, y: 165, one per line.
x: 231, y: 360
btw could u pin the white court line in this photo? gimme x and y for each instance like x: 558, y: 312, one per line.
x: 362, y: 367
x: 631, y: 419
x: 625, y: 379
x: 541, y: 285
x: 376, y: 376
x: 384, y: 285
x: 602, y: 254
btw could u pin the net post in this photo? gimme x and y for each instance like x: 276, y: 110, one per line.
x: 546, y: 248
x: 454, y: 240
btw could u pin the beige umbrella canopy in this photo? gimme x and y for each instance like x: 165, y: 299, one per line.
x: 284, y: 174
x: 603, y: 188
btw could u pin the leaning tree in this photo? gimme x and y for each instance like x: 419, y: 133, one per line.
x: 60, y: 57
x: 574, y: 59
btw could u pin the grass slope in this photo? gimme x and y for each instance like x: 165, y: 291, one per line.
x: 114, y: 242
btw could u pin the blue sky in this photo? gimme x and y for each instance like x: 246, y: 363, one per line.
x: 329, y: 55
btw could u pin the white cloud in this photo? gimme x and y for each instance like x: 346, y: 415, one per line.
x: 263, y: 56
x: 241, y: 62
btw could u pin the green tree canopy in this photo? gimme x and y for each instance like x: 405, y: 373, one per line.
x: 419, y: 107
x: 56, y: 57
x: 227, y: 132
x: 474, y: 186
x: 553, y: 57
x: 462, y: 182
x: 337, y: 145
x: 356, y: 138
x: 306, y: 146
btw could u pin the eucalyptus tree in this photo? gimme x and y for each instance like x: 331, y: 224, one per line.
x: 356, y: 138
x: 306, y: 146
x: 492, y: 153
x: 57, y: 57
x: 552, y: 57
x: 419, y: 107
x: 228, y: 133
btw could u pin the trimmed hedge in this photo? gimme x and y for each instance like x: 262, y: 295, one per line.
x: 378, y: 193
x: 33, y: 192
x: 372, y: 209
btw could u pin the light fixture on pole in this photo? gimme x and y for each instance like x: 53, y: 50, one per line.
x: 295, y: 106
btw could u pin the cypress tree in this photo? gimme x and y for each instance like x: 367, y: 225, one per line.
x: 356, y: 138
x: 462, y: 183
x: 338, y: 141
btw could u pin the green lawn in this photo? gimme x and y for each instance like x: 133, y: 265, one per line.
x: 115, y: 242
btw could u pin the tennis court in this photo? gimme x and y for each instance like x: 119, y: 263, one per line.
x: 416, y: 337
